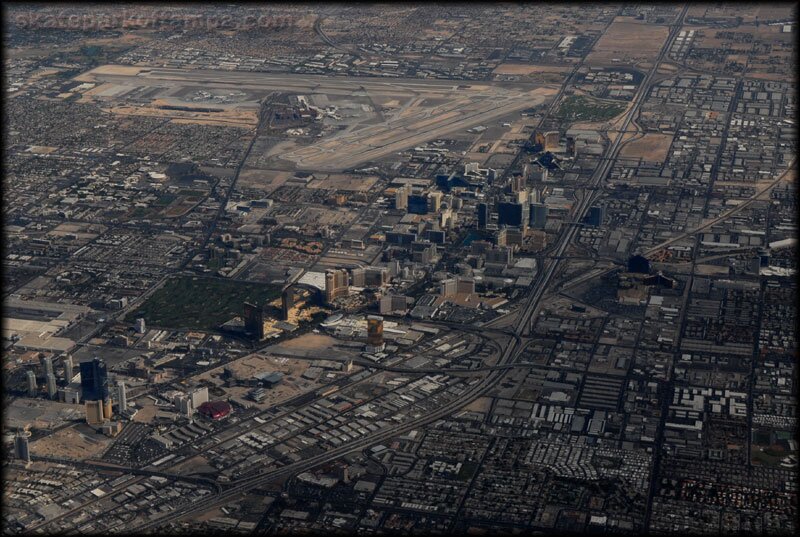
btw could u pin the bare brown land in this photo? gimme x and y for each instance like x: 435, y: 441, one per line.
x: 527, y: 69
x: 651, y: 147
x: 70, y: 443
x: 629, y: 41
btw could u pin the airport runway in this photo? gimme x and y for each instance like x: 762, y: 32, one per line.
x: 464, y: 106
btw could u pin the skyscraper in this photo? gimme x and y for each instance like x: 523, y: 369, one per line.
x: 94, y: 380
x: 254, y: 320
x: 94, y: 412
x: 401, y: 196
x: 52, y: 387
x: 122, y: 395
x: 538, y: 141
x: 47, y: 364
x: 21, y: 450
x: 393, y: 303
x: 183, y: 404
x: 639, y: 264
x: 510, y: 213
x: 374, y: 330
x: 538, y: 215
x: 435, y: 201
x: 337, y: 284
x: 32, y: 388
x: 358, y: 277
x: 287, y: 301
x: 483, y: 215
x: 448, y: 287
x: 68, y: 369
x: 517, y: 183
x: 198, y: 396
x: 596, y: 216
x: 418, y: 204
x: 465, y: 285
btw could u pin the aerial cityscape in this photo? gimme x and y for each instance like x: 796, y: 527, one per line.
x: 412, y: 269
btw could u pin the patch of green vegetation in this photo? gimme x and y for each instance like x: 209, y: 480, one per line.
x: 165, y: 199
x: 761, y: 437
x: 193, y: 193
x: 579, y: 108
x: 90, y: 51
x: 215, y: 264
x: 139, y: 212
x: 468, y: 469
x: 760, y: 457
x: 201, y: 303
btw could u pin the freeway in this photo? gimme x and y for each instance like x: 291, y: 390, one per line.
x: 476, y: 387
x: 328, y: 41
x: 101, y: 466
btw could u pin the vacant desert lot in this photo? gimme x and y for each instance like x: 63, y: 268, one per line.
x: 651, y: 148
x: 528, y: 69
x: 72, y: 443
x: 628, y: 40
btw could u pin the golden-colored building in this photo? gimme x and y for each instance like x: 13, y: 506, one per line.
x: 337, y: 284
x: 94, y: 412
x: 375, y: 330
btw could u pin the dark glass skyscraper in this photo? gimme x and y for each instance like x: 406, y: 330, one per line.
x: 94, y: 380
x: 254, y: 320
x: 418, y: 204
x: 538, y: 215
x: 596, y: 216
x: 511, y: 213
x: 483, y: 215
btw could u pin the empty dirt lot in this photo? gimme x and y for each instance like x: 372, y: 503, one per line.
x: 528, y: 69
x: 628, y: 40
x: 651, y: 148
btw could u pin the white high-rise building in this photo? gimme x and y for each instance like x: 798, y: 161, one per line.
x: 122, y: 396
x: 47, y: 364
x: 198, y: 396
x: 52, y: 387
x: 32, y: 388
x: 183, y: 405
x: 68, y: 369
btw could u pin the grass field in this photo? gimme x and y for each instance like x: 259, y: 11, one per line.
x: 579, y: 108
x: 194, y: 302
